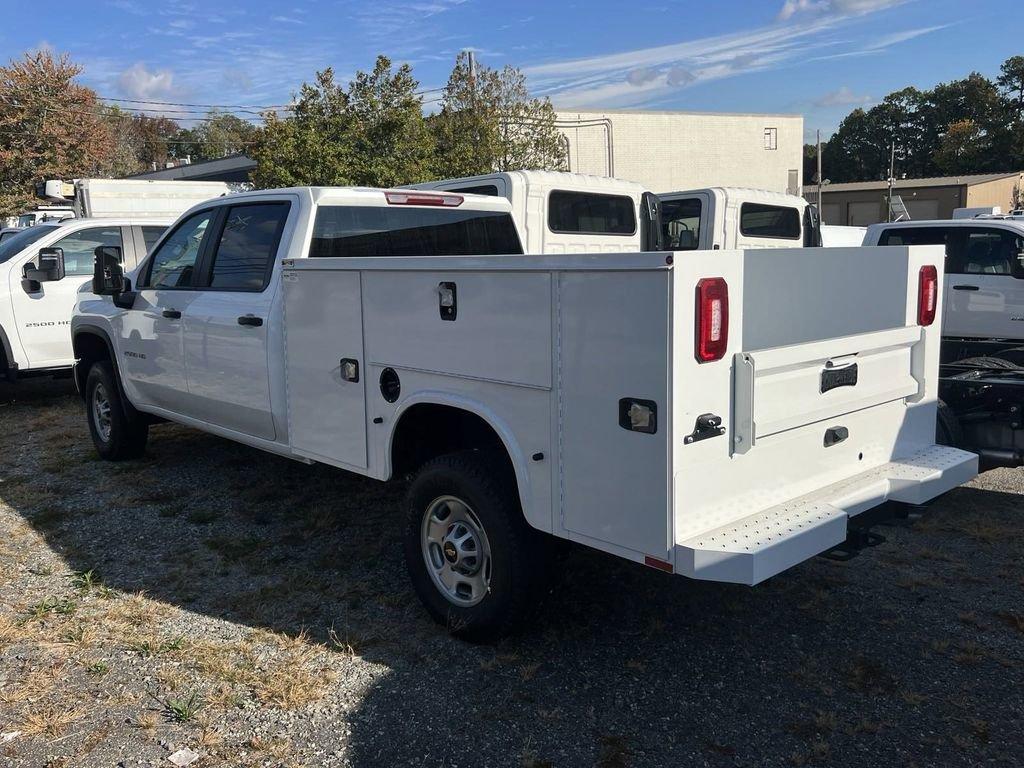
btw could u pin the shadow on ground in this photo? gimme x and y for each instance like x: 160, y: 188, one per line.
x: 907, y: 655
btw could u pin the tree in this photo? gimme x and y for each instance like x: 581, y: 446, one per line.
x: 50, y: 127
x: 962, y: 149
x: 219, y: 134
x: 390, y: 142
x: 1011, y: 83
x: 311, y: 145
x: 488, y: 122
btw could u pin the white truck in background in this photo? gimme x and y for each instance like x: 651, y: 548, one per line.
x: 559, y: 212
x: 43, y: 266
x: 720, y: 415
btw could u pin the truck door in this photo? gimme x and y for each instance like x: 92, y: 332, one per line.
x: 44, y: 315
x: 682, y: 223
x: 226, y: 328
x: 150, y: 343
x: 984, y: 284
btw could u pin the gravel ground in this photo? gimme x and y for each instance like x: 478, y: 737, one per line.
x: 256, y: 611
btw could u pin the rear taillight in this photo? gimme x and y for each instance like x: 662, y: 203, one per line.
x: 712, y: 319
x: 927, y: 295
x: 420, y: 198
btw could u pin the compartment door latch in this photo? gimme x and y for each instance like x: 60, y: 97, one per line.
x: 708, y: 425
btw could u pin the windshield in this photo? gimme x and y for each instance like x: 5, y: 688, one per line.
x: 12, y: 246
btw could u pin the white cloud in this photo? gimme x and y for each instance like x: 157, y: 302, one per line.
x: 843, y: 97
x: 791, y: 8
x: 287, y: 20
x: 137, y: 82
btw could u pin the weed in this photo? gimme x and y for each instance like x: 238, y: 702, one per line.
x: 184, y: 709
x: 63, y: 606
x: 98, y: 668
x: 85, y: 581
x: 149, y: 647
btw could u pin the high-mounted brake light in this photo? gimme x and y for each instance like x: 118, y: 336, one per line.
x: 927, y: 295
x: 712, y: 319
x: 419, y: 198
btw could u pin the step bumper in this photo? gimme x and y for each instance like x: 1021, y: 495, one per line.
x: 754, y: 548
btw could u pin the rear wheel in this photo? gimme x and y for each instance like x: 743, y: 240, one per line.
x: 473, y: 560
x: 117, y: 429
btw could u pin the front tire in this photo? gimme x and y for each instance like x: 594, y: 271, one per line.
x: 473, y: 560
x: 117, y: 429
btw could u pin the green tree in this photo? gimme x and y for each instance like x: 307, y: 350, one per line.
x: 488, y: 122
x: 50, y: 127
x: 219, y: 134
x: 962, y: 149
x: 390, y: 142
x: 311, y: 145
x: 1011, y: 83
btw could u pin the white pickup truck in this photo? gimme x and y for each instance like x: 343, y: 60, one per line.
x: 719, y: 415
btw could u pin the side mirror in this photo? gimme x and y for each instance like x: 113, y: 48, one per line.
x: 50, y: 266
x: 107, y: 272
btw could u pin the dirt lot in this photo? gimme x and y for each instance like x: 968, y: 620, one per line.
x: 255, y: 610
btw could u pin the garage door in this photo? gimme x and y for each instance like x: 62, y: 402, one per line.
x: 863, y: 214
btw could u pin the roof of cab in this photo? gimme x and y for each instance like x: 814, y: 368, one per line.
x: 745, y: 193
x: 549, y: 178
x: 328, y: 195
x: 1015, y: 224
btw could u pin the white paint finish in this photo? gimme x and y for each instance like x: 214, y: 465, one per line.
x: 151, y: 349
x: 502, y: 331
x: 984, y: 306
x: 37, y: 325
x: 810, y: 294
x: 323, y: 324
x: 760, y: 545
x: 614, y: 344
x: 226, y: 363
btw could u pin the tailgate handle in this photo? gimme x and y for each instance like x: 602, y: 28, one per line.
x: 835, y: 435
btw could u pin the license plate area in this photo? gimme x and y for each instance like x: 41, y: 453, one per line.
x: 833, y: 378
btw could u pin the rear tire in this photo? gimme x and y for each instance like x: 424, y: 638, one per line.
x: 473, y: 560
x: 118, y: 430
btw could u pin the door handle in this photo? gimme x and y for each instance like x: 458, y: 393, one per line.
x: 173, y: 314
x: 250, y: 320
x: 965, y: 288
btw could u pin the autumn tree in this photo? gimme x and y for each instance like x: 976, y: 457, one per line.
x: 488, y: 122
x: 50, y: 127
x: 218, y: 134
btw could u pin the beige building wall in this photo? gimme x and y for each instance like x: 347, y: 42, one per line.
x: 667, y: 151
x: 1005, y: 193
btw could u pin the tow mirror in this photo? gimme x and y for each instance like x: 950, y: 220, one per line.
x: 49, y: 267
x: 107, y: 272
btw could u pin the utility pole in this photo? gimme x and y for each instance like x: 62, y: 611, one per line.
x: 892, y: 180
x: 821, y: 179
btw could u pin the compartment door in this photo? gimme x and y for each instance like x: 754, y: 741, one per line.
x: 323, y: 327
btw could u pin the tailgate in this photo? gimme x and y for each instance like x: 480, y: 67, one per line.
x: 827, y: 395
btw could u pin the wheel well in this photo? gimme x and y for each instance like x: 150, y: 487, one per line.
x: 88, y: 348
x: 428, y: 430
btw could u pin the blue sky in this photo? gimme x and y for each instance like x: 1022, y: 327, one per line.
x: 820, y: 58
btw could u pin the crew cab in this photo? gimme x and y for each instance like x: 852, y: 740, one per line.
x: 679, y: 410
x: 559, y: 212
x: 42, y: 269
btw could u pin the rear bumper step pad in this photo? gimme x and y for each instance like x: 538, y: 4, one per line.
x: 768, y: 542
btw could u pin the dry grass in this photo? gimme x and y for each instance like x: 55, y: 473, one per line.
x: 50, y: 720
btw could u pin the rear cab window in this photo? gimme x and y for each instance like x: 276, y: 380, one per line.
x: 771, y: 221
x: 243, y: 257
x: 365, y: 231
x: 587, y: 213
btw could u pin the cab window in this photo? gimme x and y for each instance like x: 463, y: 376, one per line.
x: 174, y: 261
x: 586, y: 213
x: 79, y: 248
x: 772, y: 221
x: 680, y: 224
x: 244, y: 255
x: 987, y: 252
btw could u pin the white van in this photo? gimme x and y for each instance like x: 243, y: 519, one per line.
x: 560, y: 212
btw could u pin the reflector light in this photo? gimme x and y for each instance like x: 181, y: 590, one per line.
x: 420, y: 198
x: 927, y: 295
x: 712, y: 319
